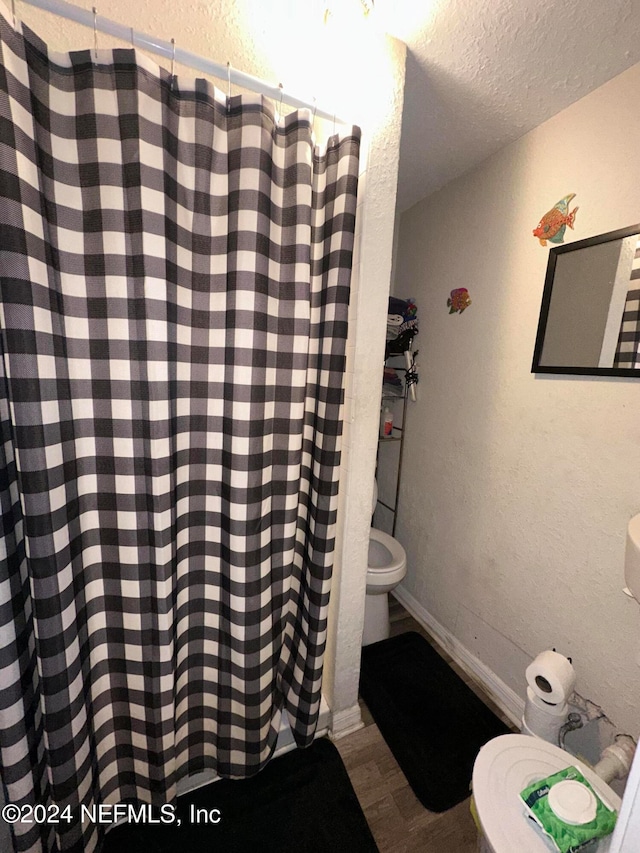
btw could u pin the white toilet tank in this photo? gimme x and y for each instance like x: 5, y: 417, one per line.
x: 506, y: 765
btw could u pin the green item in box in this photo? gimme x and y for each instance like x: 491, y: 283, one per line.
x: 567, y: 837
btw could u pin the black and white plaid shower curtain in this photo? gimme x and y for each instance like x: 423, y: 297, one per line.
x: 174, y: 280
x: 628, y: 345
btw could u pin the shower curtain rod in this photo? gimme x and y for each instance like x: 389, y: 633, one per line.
x: 174, y: 53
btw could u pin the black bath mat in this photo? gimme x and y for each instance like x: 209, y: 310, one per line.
x: 301, y: 802
x: 434, y: 724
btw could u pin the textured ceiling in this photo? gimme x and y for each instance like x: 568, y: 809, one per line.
x: 481, y: 73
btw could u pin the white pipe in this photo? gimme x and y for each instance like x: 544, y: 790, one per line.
x: 625, y: 835
x: 149, y: 43
x: 616, y: 759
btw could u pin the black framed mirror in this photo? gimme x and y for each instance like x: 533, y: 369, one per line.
x: 590, y: 315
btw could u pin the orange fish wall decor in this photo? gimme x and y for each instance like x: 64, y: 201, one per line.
x: 458, y: 300
x: 554, y: 223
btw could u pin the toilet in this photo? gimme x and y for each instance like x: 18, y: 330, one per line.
x: 504, y: 767
x: 386, y: 567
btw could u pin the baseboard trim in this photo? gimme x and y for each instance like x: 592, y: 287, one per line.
x: 505, y: 698
x: 345, y: 722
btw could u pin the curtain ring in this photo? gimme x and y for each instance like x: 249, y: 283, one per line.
x: 313, y: 116
x: 173, y: 62
x: 95, y: 33
x: 133, y: 44
x: 279, y: 109
x: 228, y: 86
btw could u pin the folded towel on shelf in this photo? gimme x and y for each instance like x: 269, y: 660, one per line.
x: 392, y: 381
x: 406, y: 308
x: 394, y: 323
x: 409, y: 324
x: 403, y: 315
x: 402, y: 325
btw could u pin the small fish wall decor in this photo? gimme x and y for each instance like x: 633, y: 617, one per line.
x: 458, y: 300
x: 554, y: 223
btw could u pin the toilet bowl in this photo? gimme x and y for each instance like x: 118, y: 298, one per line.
x: 386, y: 567
x: 503, y: 768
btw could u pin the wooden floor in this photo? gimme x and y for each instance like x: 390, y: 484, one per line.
x: 400, y: 824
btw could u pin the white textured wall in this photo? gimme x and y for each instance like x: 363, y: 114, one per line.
x: 518, y: 489
x: 365, y: 357
x: 359, y: 74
